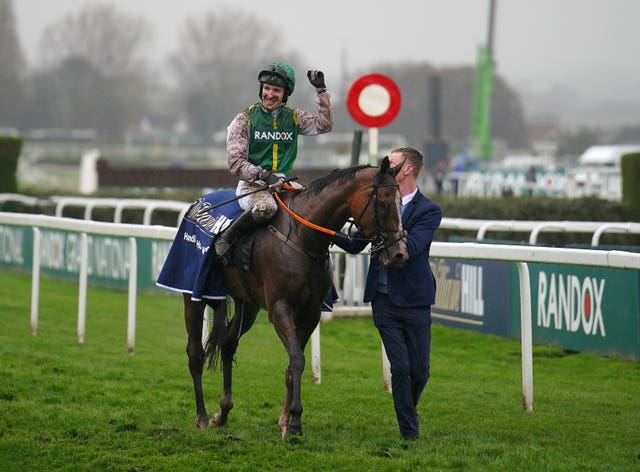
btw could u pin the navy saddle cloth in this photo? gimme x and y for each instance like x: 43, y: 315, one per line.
x: 192, y: 265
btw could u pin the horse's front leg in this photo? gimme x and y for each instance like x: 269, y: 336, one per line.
x: 290, y: 421
x: 193, y: 317
x: 283, y: 421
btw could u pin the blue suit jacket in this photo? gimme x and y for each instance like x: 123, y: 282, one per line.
x: 414, y: 283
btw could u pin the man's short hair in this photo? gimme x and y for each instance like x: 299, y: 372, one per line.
x: 413, y: 156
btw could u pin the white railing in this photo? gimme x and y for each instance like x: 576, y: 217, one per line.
x: 17, y: 197
x: 522, y: 255
x: 89, y: 203
x: 119, y: 205
x: 534, y: 228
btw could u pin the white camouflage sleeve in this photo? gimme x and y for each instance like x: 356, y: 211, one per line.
x: 238, y: 151
x: 310, y: 124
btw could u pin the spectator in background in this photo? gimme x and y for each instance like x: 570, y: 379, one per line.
x: 532, y: 178
x: 439, y: 175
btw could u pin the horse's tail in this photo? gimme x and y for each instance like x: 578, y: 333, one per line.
x: 217, y: 336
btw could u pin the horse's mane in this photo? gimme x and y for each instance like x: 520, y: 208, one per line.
x: 337, y: 176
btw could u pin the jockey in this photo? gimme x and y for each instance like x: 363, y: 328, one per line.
x: 262, y: 145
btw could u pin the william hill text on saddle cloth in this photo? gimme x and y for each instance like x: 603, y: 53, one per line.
x: 199, y: 214
x: 190, y: 265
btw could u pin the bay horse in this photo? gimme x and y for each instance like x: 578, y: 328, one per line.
x: 289, y: 276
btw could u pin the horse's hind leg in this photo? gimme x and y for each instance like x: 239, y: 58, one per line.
x: 193, y: 318
x: 222, y: 337
x: 245, y: 316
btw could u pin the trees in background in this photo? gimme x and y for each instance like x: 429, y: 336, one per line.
x: 93, y: 73
x: 217, y: 62
x: 12, y: 69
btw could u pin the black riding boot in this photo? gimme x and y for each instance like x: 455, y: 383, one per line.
x: 223, y: 243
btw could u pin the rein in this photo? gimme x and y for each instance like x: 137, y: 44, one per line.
x: 300, y: 219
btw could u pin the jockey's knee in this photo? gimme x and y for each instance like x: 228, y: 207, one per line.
x: 263, y: 211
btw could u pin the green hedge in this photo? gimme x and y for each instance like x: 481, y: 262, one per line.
x: 630, y: 169
x: 10, y: 147
x: 541, y: 209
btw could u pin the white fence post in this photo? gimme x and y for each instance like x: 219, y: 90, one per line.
x: 386, y: 370
x: 82, y: 286
x: 207, y: 322
x: 526, y: 336
x: 316, y: 368
x: 133, y: 290
x: 35, y: 281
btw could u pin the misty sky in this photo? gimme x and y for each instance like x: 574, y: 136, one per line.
x: 589, y: 46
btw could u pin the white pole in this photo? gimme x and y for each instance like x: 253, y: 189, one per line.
x: 133, y: 288
x: 386, y: 370
x: 525, y: 333
x: 35, y: 281
x: 315, y: 356
x: 82, y: 295
x: 207, y: 316
x: 88, y: 180
x: 373, y: 146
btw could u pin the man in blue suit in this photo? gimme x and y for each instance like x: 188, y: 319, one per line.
x: 401, y: 298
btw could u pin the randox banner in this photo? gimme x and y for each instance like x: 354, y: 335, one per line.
x: 584, y: 309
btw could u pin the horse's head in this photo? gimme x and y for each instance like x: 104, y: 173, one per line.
x: 380, y: 218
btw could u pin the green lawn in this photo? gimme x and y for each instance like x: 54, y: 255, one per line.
x: 92, y: 406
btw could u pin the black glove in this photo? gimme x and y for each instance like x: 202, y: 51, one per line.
x: 272, y: 179
x: 316, y: 78
x: 274, y: 182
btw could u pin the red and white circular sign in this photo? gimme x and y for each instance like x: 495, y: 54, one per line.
x: 374, y: 100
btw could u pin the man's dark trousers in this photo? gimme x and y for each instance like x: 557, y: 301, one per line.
x: 406, y: 335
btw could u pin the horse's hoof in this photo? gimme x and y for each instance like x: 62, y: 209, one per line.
x: 290, y: 436
x: 291, y: 431
x: 217, y: 420
x: 202, y: 422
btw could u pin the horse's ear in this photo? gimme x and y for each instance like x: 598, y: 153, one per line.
x: 384, y: 165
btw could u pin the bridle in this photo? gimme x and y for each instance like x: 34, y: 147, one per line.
x: 378, y: 240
